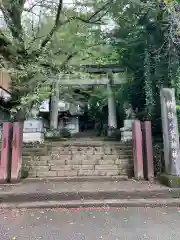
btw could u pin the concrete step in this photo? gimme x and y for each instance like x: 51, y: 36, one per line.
x: 42, y: 193
x: 94, y: 204
x: 88, y: 192
x: 79, y: 179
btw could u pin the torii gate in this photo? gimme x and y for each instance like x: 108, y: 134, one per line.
x: 110, y: 80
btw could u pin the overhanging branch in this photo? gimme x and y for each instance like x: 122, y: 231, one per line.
x: 100, y: 9
x: 90, y: 20
x: 55, y: 27
x: 68, y: 58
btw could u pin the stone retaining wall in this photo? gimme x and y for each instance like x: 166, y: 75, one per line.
x: 78, y: 159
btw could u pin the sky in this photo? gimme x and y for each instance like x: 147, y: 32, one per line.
x: 71, y: 3
x: 67, y: 3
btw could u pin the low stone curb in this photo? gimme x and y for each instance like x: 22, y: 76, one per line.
x: 95, y: 204
x: 12, y: 197
x: 79, y: 179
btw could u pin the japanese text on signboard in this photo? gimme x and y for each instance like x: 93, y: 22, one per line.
x: 171, y: 107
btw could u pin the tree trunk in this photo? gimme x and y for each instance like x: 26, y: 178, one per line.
x: 20, y: 116
x: 54, y: 106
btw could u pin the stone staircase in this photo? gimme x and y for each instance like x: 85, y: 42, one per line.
x: 77, y: 158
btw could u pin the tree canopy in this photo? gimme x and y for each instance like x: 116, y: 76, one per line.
x: 147, y: 39
x: 42, y: 39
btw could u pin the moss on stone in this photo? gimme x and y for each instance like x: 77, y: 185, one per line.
x: 24, y: 172
x: 169, y: 180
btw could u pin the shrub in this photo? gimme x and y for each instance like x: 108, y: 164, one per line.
x: 178, y: 116
x: 65, y: 133
x: 115, y: 134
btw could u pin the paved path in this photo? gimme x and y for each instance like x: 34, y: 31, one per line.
x: 50, y: 186
x: 78, y: 224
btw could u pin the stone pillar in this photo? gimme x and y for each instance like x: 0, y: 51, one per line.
x: 112, y: 119
x: 5, y: 162
x: 126, y: 131
x: 148, y: 150
x: 170, y: 132
x: 137, y: 150
x: 54, y: 105
x: 16, y: 164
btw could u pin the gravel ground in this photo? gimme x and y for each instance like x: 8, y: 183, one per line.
x: 90, y: 224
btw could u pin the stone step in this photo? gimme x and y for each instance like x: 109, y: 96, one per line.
x: 60, y: 147
x: 93, y: 204
x: 40, y: 153
x: 77, y: 158
x: 79, y: 179
x: 57, y: 156
x: 121, y: 154
x: 58, y: 152
x: 34, y: 149
x: 58, y: 163
x: 85, y: 141
x: 86, y: 162
x: 81, y: 157
x: 85, y: 167
x: 36, y: 163
x: 77, y: 145
x: 69, y: 191
x: 77, y: 142
x: 44, y: 173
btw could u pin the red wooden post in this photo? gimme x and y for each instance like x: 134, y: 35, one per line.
x: 5, y: 152
x: 137, y: 150
x: 17, y: 152
x: 148, y: 150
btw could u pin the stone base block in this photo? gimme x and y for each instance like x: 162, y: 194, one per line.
x: 126, y: 134
x: 126, y: 139
x: 169, y: 180
x: 33, y: 137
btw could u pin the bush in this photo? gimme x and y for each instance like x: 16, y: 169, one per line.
x: 178, y: 117
x: 98, y: 127
x: 158, y: 156
x: 57, y: 135
x: 65, y: 133
x: 52, y: 134
x: 115, y: 134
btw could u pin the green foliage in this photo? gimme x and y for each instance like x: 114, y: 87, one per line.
x: 115, y: 135
x: 42, y: 40
x: 58, y: 135
x: 65, y: 133
x: 178, y: 115
x: 143, y: 38
x: 158, y: 154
